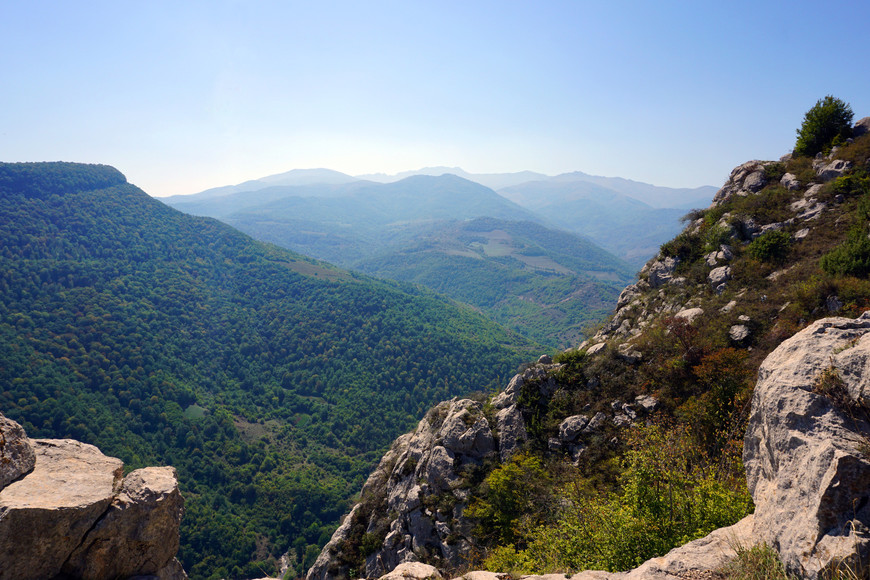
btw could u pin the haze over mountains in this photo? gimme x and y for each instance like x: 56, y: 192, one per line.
x: 583, y: 236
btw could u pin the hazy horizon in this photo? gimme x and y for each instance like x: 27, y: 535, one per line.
x: 183, y: 97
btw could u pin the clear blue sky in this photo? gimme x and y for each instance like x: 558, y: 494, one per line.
x: 185, y: 95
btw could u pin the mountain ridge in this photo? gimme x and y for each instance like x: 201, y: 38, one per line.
x: 524, y: 482
x: 165, y: 338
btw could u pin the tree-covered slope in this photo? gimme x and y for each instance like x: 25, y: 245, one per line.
x: 270, y: 381
x: 544, y: 283
x: 449, y: 234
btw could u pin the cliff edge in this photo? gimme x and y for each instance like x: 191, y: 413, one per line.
x: 66, y: 510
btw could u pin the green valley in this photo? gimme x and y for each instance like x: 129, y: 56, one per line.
x: 271, y: 381
x: 443, y: 232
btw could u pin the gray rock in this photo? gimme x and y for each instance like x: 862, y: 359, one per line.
x: 661, y: 271
x: 554, y: 445
x: 628, y: 353
x: 510, y: 395
x: 833, y: 303
x: 16, y: 452
x: 647, y: 402
x: 440, y: 469
x: 810, y: 208
x: 595, y: 348
x: 475, y: 439
x: 801, y: 233
x: 595, y: 423
x: 545, y: 359
x: 861, y: 127
x: 571, y: 427
x: 774, y: 227
x: 834, y: 169
x: 621, y: 420
x: 790, y: 182
x: 754, y: 182
x: 689, y: 314
x: 728, y: 307
x: 739, y: 332
x: 511, y: 431
x: 628, y: 294
x: 413, y: 571
x: 718, y: 277
x: 802, y: 451
x: 697, y: 559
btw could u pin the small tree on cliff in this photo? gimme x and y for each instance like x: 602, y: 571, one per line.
x: 827, y: 123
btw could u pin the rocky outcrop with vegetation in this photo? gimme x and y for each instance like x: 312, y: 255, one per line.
x: 70, y: 512
x: 611, y: 455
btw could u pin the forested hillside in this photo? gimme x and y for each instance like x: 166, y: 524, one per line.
x: 272, y: 382
x: 547, y: 284
x: 444, y: 232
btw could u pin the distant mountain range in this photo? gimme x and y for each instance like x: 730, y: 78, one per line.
x: 453, y: 235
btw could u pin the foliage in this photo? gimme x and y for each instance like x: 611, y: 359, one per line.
x: 168, y: 339
x: 670, y: 494
x: 511, y: 493
x: 827, y: 123
x: 760, y: 562
x: 852, y: 257
x: 770, y: 246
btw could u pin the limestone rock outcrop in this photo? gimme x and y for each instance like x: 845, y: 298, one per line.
x: 806, y: 447
x: 398, y: 499
x: 16, y: 453
x: 75, y: 515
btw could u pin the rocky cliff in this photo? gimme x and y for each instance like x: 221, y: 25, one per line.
x: 66, y: 510
x: 720, y: 299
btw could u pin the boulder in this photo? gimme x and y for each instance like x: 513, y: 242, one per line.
x: 805, y: 447
x: 718, y: 277
x: 595, y: 423
x: 466, y: 430
x: 571, y: 427
x: 511, y: 431
x: 647, y: 403
x: 689, y: 314
x: 754, y: 182
x: 510, y: 395
x: 46, y: 515
x: 138, y: 535
x: 661, y: 271
x: 834, y: 169
x: 413, y: 571
x: 16, y: 452
x: 790, y: 182
x: 738, y: 332
x: 861, y: 127
x: 595, y: 348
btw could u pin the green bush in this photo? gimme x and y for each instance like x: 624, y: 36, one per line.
x: 852, y: 257
x: 512, y: 492
x: 770, y: 247
x: 827, y: 123
x: 670, y: 495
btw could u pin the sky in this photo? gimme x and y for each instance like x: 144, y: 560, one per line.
x: 184, y: 95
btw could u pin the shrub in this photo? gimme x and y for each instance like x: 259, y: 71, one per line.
x: 760, y: 562
x: 771, y: 246
x: 670, y: 495
x: 827, y: 123
x: 852, y: 257
x: 513, y: 491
